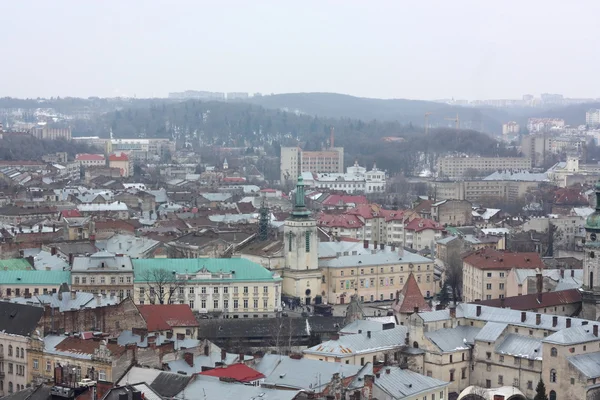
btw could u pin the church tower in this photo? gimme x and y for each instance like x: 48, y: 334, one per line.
x: 301, y: 276
x: 591, y: 263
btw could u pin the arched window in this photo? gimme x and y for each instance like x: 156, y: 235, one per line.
x: 17, y: 351
x: 553, y: 375
x: 10, y: 387
x: 1, y: 349
x: 22, y: 352
x: 552, y: 395
x: 553, y: 352
x: 415, y: 345
x: 10, y: 349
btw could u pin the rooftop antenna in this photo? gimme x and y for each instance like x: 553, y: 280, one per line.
x: 331, y: 137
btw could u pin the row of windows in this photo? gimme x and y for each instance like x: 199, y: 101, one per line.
x: 381, y: 269
x: 102, y: 280
x: 26, y: 291
x: 349, y: 284
x: 204, y: 290
x: 236, y: 304
x: 19, y: 351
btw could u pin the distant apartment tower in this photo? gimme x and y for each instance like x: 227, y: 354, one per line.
x: 44, y: 132
x: 592, y: 118
x: 199, y: 95
x: 295, y: 161
x: 456, y: 167
x: 536, y: 125
x: 232, y: 96
x: 510, y: 128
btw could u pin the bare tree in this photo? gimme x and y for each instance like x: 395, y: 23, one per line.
x: 282, y: 339
x: 454, y: 275
x: 163, y: 285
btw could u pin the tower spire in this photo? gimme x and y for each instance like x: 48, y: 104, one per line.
x: 300, y: 210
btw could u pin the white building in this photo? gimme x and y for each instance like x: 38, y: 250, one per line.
x: 510, y: 128
x: 356, y: 180
x: 592, y: 117
x: 535, y: 125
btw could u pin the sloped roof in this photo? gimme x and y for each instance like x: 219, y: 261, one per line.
x: 361, y: 343
x: 161, y: 317
x: 503, y: 260
x: 402, y: 383
x: 421, y: 224
x: 347, y: 221
x: 521, y: 346
x: 410, y: 297
x: 453, y: 339
x: 239, y: 372
x: 340, y: 199
x: 89, y: 157
x: 587, y: 364
x: 532, y: 301
x: 19, y: 319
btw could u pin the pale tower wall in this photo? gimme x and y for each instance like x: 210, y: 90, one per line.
x: 591, y: 264
x: 301, y: 275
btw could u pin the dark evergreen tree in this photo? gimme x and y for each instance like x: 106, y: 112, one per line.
x: 540, y: 391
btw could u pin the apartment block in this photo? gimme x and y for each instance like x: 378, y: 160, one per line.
x: 294, y: 161
x: 456, y: 167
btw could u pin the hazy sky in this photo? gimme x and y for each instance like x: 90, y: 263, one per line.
x: 390, y: 49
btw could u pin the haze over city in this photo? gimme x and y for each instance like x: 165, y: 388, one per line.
x: 417, y: 50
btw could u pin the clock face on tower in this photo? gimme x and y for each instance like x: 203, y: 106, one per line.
x: 593, y: 237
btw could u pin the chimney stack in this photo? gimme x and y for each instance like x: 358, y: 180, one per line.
x: 369, y: 334
x: 568, y: 322
x: 539, y: 285
x: 381, y: 246
x: 73, y: 295
x: 223, y: 355
x: 387, y: 371
x: 501, y: 302
x: 375, y: 244
x: 335, y: 336
x: 452, y: 309
x: 366, y: 244
x: 189, y: 358
x: 53, y: 251
x: 416, y: 309
x: 523, y: 316
x: 572, y: 273
x: 538, y: 319
x: 206, y: 350
x: 393, y: 247
x: 595, y: 330
x: 554, y: 321
x: 478, y: 311
x: 562, y: 272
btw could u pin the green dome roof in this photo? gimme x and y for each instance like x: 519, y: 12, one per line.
x: 593, y: 221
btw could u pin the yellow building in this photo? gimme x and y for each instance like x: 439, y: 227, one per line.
x: 121, y: 161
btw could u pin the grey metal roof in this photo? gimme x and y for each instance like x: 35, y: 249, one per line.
x: 69, y: 300
x: 102, y: 261
x: 304, y: 374
x: 505, y: 315
x: 517, y: 176
x: 453, y: 339
x: 403, y: 383
x: 573, y: 335
x: 491, y: 331
x: 128, y: 245
x: 375, y: 258
x: 360, y: 343
x: 521, y: 346
x: 19, y: 319
x: 362, y: 325
x: 587, y: 364
x: 127, y: 337
x: 208, y: 387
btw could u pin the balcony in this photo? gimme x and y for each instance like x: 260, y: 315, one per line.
x: 2, y: 375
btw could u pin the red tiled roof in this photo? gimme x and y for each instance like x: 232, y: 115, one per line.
x: 89, y: 157
x: 268, y: 190
x: 233, y: 179
x: 118, y: 157
x: 570, y: 196
x: 410, y: 297
x: 495, y: 259
x: 70, y: 213
x: 78, y: 345
x: 530, y: 301
x: 239, y: 372
x: 339, y: 221
x: 162, y: 317
x: 424, y: 205
x: 420, y: 224
x: 340, y: 199
x: 245, y: 208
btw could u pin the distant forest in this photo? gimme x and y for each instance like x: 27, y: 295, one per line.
x: 25, y: 147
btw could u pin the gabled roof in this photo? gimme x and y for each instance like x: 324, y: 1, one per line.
x: 410, y: 297
x: 420, y: 224
x: 360, y: 343
x: 89, y: 157
x: 118, y: 157
x: 347, y: 221
x: 339, y: 199
x: 400, y: 383
x: 162, y: 317
x: 453, y: 339
x: 535, y: 301
x: 503, y: 260
x: 19, y: 319
x: 239, y: 372
x: 521, y: 346
x: 587, y: 364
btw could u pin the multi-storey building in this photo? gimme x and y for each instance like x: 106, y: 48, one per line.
x: 485, y: 272
x: 592, y: 118
x: 510, y: 128
x: 475, y: 191
x: 356, y: 180
x: 231, y: 287
x: 294, y: 161
x: 20, y: 329
x: 456, y: 167
x: 452, y: 212
x: 421, y: 233
x: 535, y: 125
x: 372, y: 272
x: 121, y: 161
x: 103, y: 273
x: 91, y: 160
x: 45, y: 132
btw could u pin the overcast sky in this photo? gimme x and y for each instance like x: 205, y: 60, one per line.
x: 390, y: 49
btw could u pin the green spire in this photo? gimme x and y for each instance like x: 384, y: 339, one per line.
x: 300, y: 210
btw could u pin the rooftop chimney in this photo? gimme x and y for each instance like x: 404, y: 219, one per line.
x: 381, y: 246
x: 53, y: 250
x: 189, y: 358
x: 416, y: 309
x: 554, y: 321
x: 387, y: 371
x: 223, y: 355
x: 501, y: 302
x: 335, y: 336
x: 369, y: 334
x: 523, y: 316
x: 538, y: 319
x: 393, y: 247
x: 572, y: 273
x: 562, y: 273
x: 568, y: 322
x: 478, y: 311
x: 452, y: 309
x: 73, y: 295
x: 375, y: 244
x: 539, y: 282
x: 206, y: 350
x: 366, y: 244
x: 595, y: 330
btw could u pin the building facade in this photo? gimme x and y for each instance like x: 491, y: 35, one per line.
x: 455, y: 167
x: 103, y: 273
x: 294, y: 161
